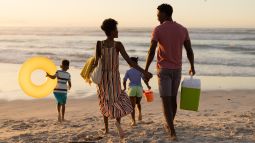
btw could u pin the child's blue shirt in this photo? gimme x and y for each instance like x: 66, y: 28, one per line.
x: 134, y: 76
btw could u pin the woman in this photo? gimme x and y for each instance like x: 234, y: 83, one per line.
x: 112, y: 101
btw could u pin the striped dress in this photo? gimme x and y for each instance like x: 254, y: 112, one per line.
x: 112, y: 101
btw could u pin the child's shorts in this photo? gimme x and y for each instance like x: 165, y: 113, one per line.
x: 60, y: 97
x: 136, y: 91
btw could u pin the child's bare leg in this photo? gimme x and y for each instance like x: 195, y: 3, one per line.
x: 63, y: 112
x: 133, y: 102
x: 59, y: 114
x: 138, y: 102
x: 106, y: 125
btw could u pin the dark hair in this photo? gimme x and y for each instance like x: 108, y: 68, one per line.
x: 65, y: 63
x: 134, y: 59
x: 166, y: 8
x: 109, y: 25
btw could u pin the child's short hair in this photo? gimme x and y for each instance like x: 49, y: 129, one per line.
x: 65, y: 62
x: 134, y: 59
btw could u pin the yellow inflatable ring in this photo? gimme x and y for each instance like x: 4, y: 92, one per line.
x: 26, y: 70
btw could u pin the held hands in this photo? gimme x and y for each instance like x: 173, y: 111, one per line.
x: 147, y: 76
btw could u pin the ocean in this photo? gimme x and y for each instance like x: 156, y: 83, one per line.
x: 218, y: 52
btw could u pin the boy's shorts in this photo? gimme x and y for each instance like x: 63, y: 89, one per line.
x: 136, y: 91
x: 60, y: 97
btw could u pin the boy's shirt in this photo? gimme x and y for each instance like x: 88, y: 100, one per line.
x: 62, y: 77
x: 134, y: 76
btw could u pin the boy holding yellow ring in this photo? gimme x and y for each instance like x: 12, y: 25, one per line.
x: 60, y: 92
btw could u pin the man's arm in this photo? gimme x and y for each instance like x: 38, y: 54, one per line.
x: 151, y: 54
x: 190, y: 55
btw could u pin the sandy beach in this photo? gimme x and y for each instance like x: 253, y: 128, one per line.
x: 224, y: 116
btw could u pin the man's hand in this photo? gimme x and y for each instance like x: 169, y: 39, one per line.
x: 192, y: 71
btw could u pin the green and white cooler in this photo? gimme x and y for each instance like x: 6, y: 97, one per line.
x: 190, y: 94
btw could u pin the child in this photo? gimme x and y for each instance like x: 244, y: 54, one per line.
x: 135, y: 90
x: 60, y: 92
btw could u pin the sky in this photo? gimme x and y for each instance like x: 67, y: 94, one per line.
x: 129, y: 13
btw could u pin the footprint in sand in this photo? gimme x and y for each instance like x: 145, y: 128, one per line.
x: 21, y: 126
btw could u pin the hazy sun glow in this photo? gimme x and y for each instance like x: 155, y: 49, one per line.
x: 129, y: 13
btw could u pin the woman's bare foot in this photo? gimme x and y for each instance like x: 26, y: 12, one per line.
x: 105, y: 131
x: 133, y: 123
x: 121, y: 133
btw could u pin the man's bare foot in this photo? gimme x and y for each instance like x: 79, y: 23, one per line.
x: 140, y: 117
x: 173, y: 138
x: 121, y: 133
x: 167, y: 129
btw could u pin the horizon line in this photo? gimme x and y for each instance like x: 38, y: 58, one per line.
x: 124, y: 27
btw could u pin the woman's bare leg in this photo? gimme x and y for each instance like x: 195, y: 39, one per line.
x: 106, y: 125
x: 117, y: 123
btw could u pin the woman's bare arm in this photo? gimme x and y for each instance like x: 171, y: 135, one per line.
x: 130, y: 62
x: 97, y: 53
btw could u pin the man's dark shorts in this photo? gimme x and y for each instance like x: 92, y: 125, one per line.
x: 169, y: 81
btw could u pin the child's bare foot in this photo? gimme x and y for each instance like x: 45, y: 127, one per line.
x: 63, y: 119
x: 59, y: 118
x: 140, y: 117
x: 121, y: 133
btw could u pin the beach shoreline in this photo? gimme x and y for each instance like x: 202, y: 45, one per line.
x: 10, y: 89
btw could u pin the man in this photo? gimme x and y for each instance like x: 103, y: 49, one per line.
x: 171, y: 37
